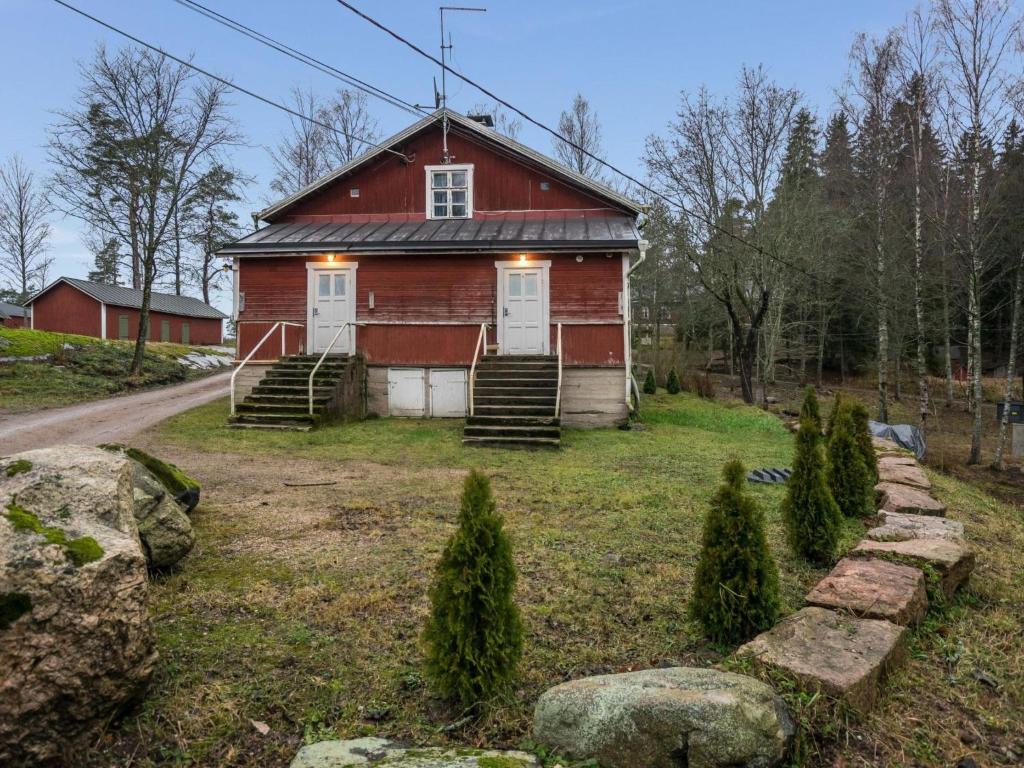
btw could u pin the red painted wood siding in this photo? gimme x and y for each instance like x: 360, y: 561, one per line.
x: 15, y: 322
x: 64, y: 309
x: 389, y: 185
x: 202, y: 330
x: 428, y: 309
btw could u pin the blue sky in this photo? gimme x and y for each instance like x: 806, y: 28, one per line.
x: 631, y: 59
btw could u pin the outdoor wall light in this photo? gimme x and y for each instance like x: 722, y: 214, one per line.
x: 579, y: 259
x: 330, y: 257
x: 522, y: 257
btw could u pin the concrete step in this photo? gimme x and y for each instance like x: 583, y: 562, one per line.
x: 512, y: 442
x: 287, y: 409
x: 513, y: 381
x: 271, y: 426
x: 504, y: 430
x: 480, y: 393
x: 291, y: 389
x: 511, y: 420
x: 513, y: 408
x: 487, y: 374
x: 533, y: 399
x: 291, y: 397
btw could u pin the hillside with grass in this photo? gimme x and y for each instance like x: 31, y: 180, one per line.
x: 40, y: 369
x: 303, y: 603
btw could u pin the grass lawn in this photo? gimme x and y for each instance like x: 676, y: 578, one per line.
x: 79, y: 368
x: 302, y: 604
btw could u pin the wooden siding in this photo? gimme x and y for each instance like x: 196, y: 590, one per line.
x: 64, y: 309
x: 250, y: 333
x: 15, y: 322
x: 427, y: 309
x: 388, y: 185
x: 202, y: 330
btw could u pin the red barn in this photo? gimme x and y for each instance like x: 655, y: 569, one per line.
x: 69, y: 305
x: 453, y: 260
x: 14, y: 316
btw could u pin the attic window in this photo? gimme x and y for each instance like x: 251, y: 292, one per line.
x: 353, y: 192
x: 449, y: 191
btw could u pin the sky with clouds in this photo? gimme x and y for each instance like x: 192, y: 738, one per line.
x: 630, y: 59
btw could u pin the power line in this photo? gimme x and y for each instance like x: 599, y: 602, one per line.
x: 226, y: 82
x: 444, y: 67
x: 304, y: 58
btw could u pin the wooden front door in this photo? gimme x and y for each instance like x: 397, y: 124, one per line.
x: 333, y: 305
x: 522, y: 316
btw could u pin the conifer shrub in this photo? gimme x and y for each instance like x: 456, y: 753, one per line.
x: 810, y: 408
x: 650, y: 385
x: 862, y: 434
x: 474, y: 635
x: 672, y: 385
x: 736, y: 585
x: 811, y: 516
x: 836, y: 405
x: 851, y: 483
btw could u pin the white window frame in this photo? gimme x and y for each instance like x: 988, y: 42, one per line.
x: 430, y: 170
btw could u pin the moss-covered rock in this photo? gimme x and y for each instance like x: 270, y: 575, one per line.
x: 13, y: 605
x: 183, y: 488
x: 381, y: 753
x: 17, y: 466
x: 80, y: 551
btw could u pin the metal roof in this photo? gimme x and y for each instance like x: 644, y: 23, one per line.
x: 473, y: 127
x: 12, y: 310
x: 120, y: 296
x: 499, y: 233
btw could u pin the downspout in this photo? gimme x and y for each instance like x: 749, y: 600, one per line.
x: 627, y: 301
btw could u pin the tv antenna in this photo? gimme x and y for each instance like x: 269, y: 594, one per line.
x: 443, y: 99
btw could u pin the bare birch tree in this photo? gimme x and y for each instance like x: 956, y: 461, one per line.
x: 300, y: 157
x: 976, y: 36
x: 24, y: 230
x: 582, y: 129
x: 348, y: 112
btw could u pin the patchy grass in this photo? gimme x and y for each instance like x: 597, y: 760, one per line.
x: 301, y: 605
x: 79, y: 368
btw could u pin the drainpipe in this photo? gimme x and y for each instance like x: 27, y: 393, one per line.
x: 642, y: 246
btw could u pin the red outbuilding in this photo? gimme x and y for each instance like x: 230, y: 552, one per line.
x: 14, y: 315
x: 70, y: 305
x: 446, y: 244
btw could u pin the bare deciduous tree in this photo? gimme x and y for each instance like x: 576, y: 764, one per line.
x: 505, y: 122
x: 349, y: 114
x: 24, y: 230
x: 580, y: 126
x: 300, y: 158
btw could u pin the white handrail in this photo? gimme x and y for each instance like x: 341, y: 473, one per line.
x: 481, y: 341
x: 351, y: 345
x: 558, y: 392
x: 279, y: 324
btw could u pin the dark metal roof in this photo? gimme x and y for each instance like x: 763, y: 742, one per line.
x: 500, y: 233
x: 12, y: 310
x: 120, y: 296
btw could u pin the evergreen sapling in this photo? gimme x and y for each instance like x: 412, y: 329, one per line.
x: 811, y: 516
x: 810, y: 408
x: 672, y: 385
x: 650, y: 385
x: 848, y: 477
x: 862, y: 434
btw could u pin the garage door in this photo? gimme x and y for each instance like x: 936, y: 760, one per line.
x: 448, y: 393
x: 406, y: 392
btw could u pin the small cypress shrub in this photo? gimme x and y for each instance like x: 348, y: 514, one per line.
x: 811, y: 515
x: 650, y: 385
x: 736, y: 585
x: 672, y: 385
x: 474, y: 635
x: 848, y: 477
x: 862, y: 434
x: 810, y: 408
x: 836, y: 405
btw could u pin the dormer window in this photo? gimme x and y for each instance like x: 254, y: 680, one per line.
x: 449, y: 191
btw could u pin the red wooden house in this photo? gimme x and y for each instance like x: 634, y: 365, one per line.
x: 70, y: 305
x: 14, y: 315
x: 453, y: 260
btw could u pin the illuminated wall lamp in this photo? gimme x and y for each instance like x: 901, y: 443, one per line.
x: 522, y: 257
x: 330, y: 257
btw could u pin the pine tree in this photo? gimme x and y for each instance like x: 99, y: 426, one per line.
x: 862, y: 434
x: 848, y: 476
x: 650, y: 386
x: 811, y: 515
x: 736, y: 586
x: 474, y: 636
x: 672, y: 385
x: 105, y: 262
x: 810, y: 408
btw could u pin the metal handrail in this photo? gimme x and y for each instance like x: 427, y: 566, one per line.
x: 481, y: 340
x: 351, y: 345
x: 558, y: 392
x: 279, y: 324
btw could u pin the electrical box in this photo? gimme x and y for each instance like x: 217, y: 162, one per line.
x: 1016, y: 412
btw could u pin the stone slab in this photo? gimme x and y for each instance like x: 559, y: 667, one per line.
x: 884, y: 444
x: 899, y: 527
x: 952, y: 560
x: 905, y: 499
x: 840, y: 655
x: 901, y: 459
x: 913, y: 475
x: 372, y: 751
x: 873, y: 589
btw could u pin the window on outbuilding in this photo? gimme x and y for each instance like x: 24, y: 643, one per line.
x: 165, y: 330
x: 449, y: 191
x: 122, y: 326
x: 186, y: 336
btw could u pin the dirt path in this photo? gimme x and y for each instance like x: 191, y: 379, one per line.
x: 106, y: 421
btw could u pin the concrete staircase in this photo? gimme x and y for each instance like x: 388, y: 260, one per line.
x: 281, y: 399
x: 514, y: 403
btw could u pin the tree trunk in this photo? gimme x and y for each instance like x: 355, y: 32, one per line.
x: 974, y: 286
x: 921, y: 362
x: 147, y: 290
x: 883, y: 318
x: 1011, y: 365
x: 948, y: 334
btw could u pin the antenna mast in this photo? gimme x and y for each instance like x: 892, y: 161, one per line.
x: 444, y: 70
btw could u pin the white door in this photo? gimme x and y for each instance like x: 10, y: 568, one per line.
x: 333, y: 303
x: 524, y: 311
x: 448, y: 393
x: 406, y: 393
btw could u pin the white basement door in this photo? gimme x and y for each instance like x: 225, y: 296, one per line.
x: 406, y: 392
x: 448, y: 393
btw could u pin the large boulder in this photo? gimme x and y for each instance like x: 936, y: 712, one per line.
x: 183, y: 488
x: 664, y: 718
x: 370, y: 751
x: 164, y: 528
x: 75, y: 639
